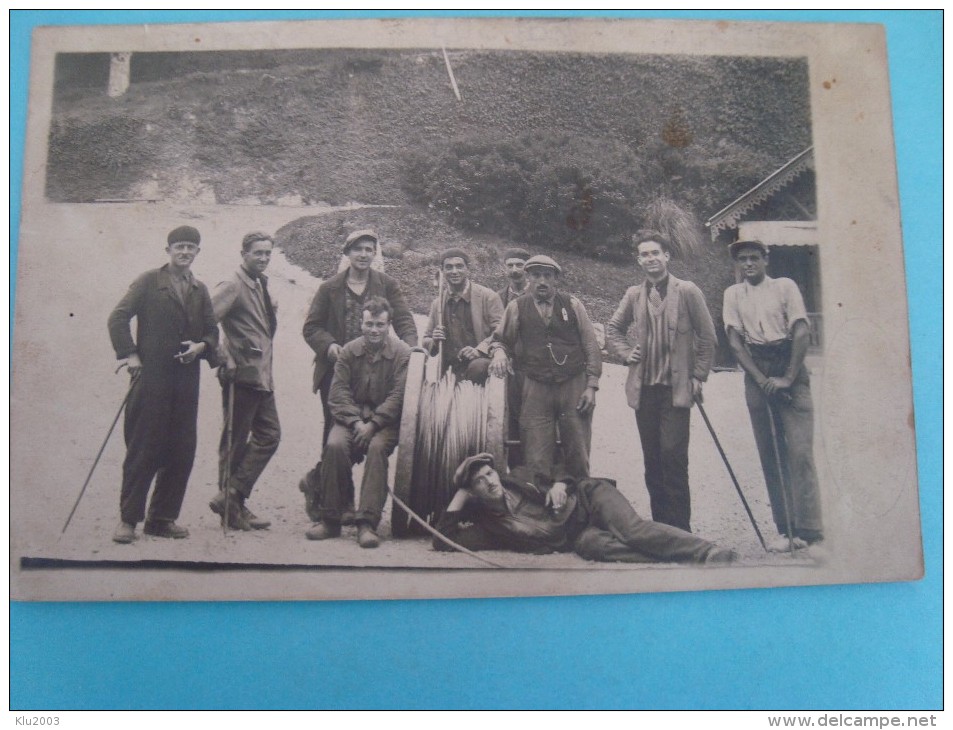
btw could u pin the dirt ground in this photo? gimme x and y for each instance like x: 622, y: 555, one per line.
x: 65, y: 395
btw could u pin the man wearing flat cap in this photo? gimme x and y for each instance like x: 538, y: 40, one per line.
x: 175, y: 329
x: 769, y: 333
x: 514, y: 264
x: 334, y: 319
x: 551, y: 341
x: 525, y: 513
x: 463, y: 319
x: 669, y: 356
x: 246, y: 311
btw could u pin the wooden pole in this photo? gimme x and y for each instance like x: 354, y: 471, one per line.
x: 453, y: 81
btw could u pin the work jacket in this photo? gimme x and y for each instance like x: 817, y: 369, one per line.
x: 691, y: 337
x: 325, y: 323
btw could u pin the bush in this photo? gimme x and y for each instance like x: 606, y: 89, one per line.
x: 558, y: 191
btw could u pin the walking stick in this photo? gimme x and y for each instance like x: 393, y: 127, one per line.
x: 102, y: 448
x: 227, y: 471
x: 440, y: 321
x: 731, y: 473
x: 784, y: 485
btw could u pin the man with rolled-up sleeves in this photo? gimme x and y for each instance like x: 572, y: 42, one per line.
x: 769, y: 333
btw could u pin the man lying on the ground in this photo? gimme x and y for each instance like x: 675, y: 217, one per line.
x: 590, y: 516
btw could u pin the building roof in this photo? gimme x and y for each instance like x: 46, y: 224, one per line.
x: 729, y: 216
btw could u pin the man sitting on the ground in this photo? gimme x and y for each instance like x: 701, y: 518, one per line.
x: 590, y: 516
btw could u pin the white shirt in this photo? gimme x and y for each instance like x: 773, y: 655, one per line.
x: 764, y: 314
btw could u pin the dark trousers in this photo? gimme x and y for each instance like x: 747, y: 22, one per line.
x: 324, y: 389
x: 514, y: 404
x: 663, y: 430
x: 255, y: 436
x: 615, y: 533
x: 794, y: 427
x: 160, y: 433
x: 335, y: 493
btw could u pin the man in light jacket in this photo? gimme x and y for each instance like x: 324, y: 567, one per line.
x: 469, y: 315
x: 669, y: 352
x: 246, y: 312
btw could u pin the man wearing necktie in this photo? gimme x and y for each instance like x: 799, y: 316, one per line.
x: 552, y: 342
x: 674, y: 340
x: 246, y: 311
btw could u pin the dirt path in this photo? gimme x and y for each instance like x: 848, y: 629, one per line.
x: 65, y: 395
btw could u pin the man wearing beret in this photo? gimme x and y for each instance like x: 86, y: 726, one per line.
x: 674, y: 346
x: 463, y: 320
x: 246, y: 311
x: 769, y: 333
x: 334, y: 319
x: 525, y: 513
x: 175, y: 329
x: 551, y: 341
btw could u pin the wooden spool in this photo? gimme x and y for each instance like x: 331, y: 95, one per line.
x: 495, y: 443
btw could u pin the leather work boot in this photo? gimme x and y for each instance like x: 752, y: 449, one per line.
x: 323, y: 531
x: 165, y: 528
x: 125, y: 533
x: 307, y: 488
x: 366, y: 536
x: 253, y: 520
x: 236, y: 520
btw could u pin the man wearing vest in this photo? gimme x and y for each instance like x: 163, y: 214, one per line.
x: 470, y: 314
x: 768, y: 331
x: 551, y: 340
x: 674, y: 340
x: 246, y: 311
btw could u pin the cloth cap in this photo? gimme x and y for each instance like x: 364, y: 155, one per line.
x: 540, y: 260
x: 515, y: 253
x: 733, y: 248
x: 184, y: 234
x: 455, y: 253
x: 357, y: 236
x: 464, y: 472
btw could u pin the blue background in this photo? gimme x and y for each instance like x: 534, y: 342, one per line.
x: 850, y: 646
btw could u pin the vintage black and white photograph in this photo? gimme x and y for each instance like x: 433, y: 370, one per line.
x: 416, y: 308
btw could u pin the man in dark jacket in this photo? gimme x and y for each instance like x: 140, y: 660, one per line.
x: 531, y: 513
x: 335, y: 319
x: 176, y: 328
x: 246, y: 310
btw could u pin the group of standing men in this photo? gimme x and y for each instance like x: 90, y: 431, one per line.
x: 538, y: 335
